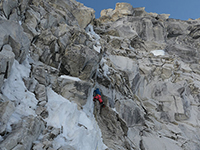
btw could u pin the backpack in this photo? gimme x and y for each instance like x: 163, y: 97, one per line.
x: 96, y: 92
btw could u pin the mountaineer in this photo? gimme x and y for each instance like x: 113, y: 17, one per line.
x: 97, y: 96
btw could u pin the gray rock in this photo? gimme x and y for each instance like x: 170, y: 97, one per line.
x: 31, y: 22
x: 107, y: 12
x: 121, y: 9
x: 40, y: 109
x: 19, y: 147
x: 8, y: 5
x: 77, y: 91
x: 163, y: 17
x: 187, y: 53
x: 79, y: 62
x: 113, y: 128
x: 20, y: 44
x: 30, y: 84
x: 1, y: 79
x: 40, y: 92
x: 51, y: 148
x: 195, y: 68
x: 181, y: 117
x: 40, y: 73
x: 26, y: 132
x: 68, y: 147
x: 6, y: 61
x: 175, y: 28
x: 24, y: 5
x: 130, y: 113
x: 139, y: 12
x: 6, y: 110
x: 126, y: 31
x: 194, y: 31
x: 83, y: 15
x: 46, y: 37
x: 124, y: 9
x: 43, y: 103
x: 38, y: 146
x: 14, y: 16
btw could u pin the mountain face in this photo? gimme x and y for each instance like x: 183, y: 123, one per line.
x: 54, y: 53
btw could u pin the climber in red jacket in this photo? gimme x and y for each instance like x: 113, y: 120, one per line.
x: 97, y: 96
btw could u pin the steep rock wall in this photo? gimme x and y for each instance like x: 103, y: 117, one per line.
x: 145, y: 64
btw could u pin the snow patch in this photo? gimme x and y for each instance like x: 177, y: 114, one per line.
x: 90, y: 31
x: 70, y: 78
x: 15, y: 89
x: 95, y: 37
x: 115, y: 110
x: 97, y: 47
x: 20, y: 23
x: 105, y: 67
x: 158, y: 52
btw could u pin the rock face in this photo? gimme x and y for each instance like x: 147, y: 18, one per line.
x: 114, y: 129
x: 23, y: 136
x: 7, y: 108
x: 159, y: 85
x: 74, y: 90
x: 146, y: 66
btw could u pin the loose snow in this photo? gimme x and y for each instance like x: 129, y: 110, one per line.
x: 158, y: 52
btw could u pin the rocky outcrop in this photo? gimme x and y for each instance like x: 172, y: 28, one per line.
x: 7, y: 109
x: 114, y: 129
x: 18, y: 132
x: 6, y: 60
x: 146, y: 87
x: 14, y: 45
x: 12, y: 34
x: 73, y: 89
x: 79, y: 62
x: 24, y: 134
x: 125, y: 9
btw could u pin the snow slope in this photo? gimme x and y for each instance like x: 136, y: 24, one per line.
x: 80, y: 128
